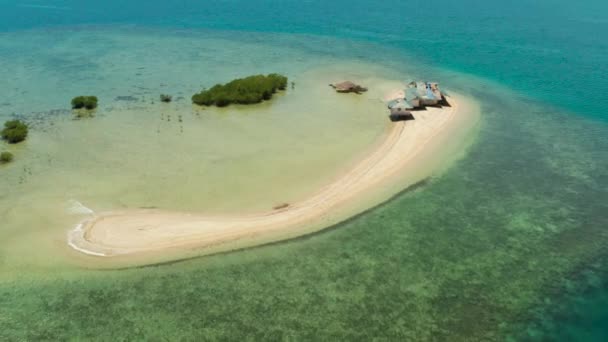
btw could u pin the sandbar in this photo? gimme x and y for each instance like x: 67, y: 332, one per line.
x: 394, y: 163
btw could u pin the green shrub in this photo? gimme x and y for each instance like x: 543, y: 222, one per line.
x: 249, y: 90
x: 14, y: 131
x: 6, y: 157
x: 88, y: 102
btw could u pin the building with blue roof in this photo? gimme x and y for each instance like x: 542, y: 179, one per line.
x: 417, y: 95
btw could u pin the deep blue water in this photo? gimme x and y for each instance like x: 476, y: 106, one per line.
x: 554, y: 51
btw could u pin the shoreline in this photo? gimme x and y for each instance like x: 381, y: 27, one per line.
x: 145, y: 236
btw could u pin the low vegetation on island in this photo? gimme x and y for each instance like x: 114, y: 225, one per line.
x: 166, y: 98
x: 249, y: 90
x: 6, y: 157
x: 14, y: 131
x: 86, y: 102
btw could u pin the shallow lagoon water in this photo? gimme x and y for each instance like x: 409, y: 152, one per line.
x: 136, y: 152
x: 477, y: 253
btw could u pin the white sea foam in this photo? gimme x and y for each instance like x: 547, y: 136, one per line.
x: 77, y: 208
x: 77, y: 233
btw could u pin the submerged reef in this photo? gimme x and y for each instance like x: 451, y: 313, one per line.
x: 166, y: 98
x: 249, y: 90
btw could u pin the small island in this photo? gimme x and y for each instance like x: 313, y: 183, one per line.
x: 249, y: 90
x: 14, y: 131
x: 348, y: 87
x: 87, y: 102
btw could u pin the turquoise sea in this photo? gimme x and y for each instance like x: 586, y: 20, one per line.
x: 510, y: 243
